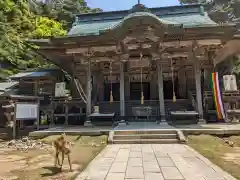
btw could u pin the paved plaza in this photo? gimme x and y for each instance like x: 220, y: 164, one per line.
x: 152, y: 162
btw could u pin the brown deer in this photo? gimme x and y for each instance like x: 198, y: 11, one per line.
x: 61, y: 145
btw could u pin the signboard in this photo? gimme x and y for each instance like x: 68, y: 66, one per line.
x: 137, y: 63
x: 26, y: 111
x: 137, y: 77
x: 230, y: 83
x: 112, y: 78
x: 96, y: 109
x: 60, y: 89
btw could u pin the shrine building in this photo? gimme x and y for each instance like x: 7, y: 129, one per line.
x: 156, y: 60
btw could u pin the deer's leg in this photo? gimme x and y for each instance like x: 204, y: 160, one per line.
x: 69, y: 162
x: 62, y: 160
x: 56, y: 158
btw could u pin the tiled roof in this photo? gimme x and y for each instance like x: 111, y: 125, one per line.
x: 29, y: 74
x: 6, y: 86
x: 95, y: 27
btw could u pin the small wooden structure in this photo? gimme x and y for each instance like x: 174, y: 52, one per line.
x: 67, y: 110
x: 232, y: 105
x: 8, y: 104
x: 38, y: 83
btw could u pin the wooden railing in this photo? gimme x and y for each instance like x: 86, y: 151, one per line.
x: 110, y: 107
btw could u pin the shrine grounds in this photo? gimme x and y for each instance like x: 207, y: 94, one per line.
x: 21, y: 161
x: 33, y: 159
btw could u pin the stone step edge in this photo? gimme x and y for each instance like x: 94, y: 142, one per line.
x: 146, y: 136
x: 175, y: 134
x: 135, y: 132
x: 151, y: 141
x: 180, y: 137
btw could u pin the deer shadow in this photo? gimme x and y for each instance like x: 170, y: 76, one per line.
x: 53, y: 171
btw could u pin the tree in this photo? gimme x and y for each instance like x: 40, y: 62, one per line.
x: 222, y: 11
x: 33, y: 19
x: 62, y: 10
x: 219, y: 10
x: 46, y: 27
x: 18, y: 23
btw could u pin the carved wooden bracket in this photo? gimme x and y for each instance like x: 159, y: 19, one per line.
x: 124, y: 57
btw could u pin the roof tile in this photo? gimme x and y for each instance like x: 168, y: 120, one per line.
x: 95, y: 27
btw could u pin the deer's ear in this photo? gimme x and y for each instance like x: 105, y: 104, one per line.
x: 63, y: 134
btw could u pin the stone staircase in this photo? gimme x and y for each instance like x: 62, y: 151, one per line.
x: 146, y: 137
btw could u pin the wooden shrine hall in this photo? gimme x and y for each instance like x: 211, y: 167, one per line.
x: 153, y: 62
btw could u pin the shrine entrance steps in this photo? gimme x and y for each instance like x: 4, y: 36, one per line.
x: 162, y: 136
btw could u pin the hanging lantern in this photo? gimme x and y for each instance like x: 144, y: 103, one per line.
x: 111, y: 97
x: 174, y: 97
x: 173, y: 85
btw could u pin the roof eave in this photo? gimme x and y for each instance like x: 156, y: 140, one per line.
x: 154, y: 8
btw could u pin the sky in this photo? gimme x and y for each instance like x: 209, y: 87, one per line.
x: 113, y: 5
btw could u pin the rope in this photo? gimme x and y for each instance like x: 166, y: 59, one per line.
x: 142, y: 96
x: 111, y: 94
x: 84, y: 95
x: 80, y: 93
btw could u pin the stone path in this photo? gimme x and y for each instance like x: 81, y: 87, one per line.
x: 152, y: 162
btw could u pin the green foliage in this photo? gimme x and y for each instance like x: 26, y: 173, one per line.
x: 31, y: 19
x: 16, y: 24
x: 195, y: 1
x: 236, y: 64
x: 64, y: 10
x: 47, y: 27
x: 222, y: 11
x: 219, y: 10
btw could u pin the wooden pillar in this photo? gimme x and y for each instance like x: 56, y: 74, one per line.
x: 207, y: 78
x: 153, y: 86
x: 182, y: 83
x: 101, y: 87
x: 197, y: 73
x: 89, y: 94
x: 14, y: 121
x: 36, y: 88
x: 160, y: 92
x: 122, y: 92
x: 95, y: 90
x: 52, y: 113
x: 38, y: 114
x: 66, y: 112
x: 127, y: 86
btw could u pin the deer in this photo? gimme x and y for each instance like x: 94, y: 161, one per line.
x: 61, y: 145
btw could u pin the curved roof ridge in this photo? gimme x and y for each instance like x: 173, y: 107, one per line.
x: 208, y: 18
x: 185, y: 6
x: 142, y: 14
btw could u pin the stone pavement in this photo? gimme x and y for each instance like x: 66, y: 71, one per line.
x: 152, y: 162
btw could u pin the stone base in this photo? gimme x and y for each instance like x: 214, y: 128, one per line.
x: 123, y: 123
x: 201, y: 121
x: 163, y: 122
x: 88, y: 123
